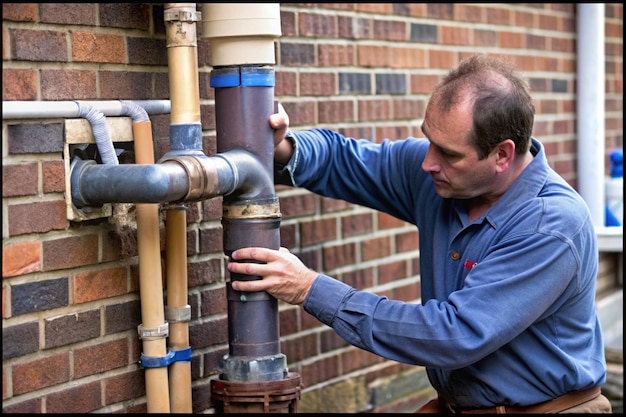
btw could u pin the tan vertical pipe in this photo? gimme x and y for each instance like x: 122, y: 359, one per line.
x: 182, y: 56
x: 150, y: 280
x: 176, y: 282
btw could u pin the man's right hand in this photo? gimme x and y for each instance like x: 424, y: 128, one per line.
x: 282, y: 148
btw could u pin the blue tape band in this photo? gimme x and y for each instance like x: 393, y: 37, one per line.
x: 183, y: 355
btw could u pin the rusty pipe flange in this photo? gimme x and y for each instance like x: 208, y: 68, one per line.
x: 257, y: 397
x: 252, y: 209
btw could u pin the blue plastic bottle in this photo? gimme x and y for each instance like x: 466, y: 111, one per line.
x: 614, y: 190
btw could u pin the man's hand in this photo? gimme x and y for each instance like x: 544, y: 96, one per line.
x: 284, y: 275
x: 280, y: 123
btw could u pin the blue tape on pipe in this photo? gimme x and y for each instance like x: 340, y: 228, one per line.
x: 224, y: 80
x: 258, y: 80
x: 183, y: 355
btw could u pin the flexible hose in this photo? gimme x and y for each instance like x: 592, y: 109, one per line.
x: 100, y: 132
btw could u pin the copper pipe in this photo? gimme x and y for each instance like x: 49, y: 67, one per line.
x: 185, y: 137
x: 178, y: 312
x: 151, y: 283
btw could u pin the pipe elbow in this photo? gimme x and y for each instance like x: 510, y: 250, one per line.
x: 253, y: 181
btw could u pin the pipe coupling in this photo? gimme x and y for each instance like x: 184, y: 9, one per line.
x: 200, y: 182
x: 252, y: 209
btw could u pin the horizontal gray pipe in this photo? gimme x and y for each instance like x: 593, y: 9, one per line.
x: 70, y: 109
x: 175, y: 179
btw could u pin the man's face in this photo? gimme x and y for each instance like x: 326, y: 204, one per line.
x: 452, y: 162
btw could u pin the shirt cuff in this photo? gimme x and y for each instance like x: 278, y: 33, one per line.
x: 325, y: 298
x: 283, y: 174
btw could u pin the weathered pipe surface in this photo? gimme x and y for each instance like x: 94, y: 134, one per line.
x: 252, y: 318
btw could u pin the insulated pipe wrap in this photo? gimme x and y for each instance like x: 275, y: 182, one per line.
x: 100, y: 133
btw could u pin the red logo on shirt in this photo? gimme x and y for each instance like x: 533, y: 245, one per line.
x: 470, y: 264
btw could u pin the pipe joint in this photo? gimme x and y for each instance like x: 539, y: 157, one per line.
x: 178, y: 314
x: 253, y: 180
x: 154, y: 332
x: 207, y: 177
x: 197, y: 178
x: 182, y: 15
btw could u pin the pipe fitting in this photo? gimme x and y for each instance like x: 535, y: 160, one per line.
x: 184, y: 16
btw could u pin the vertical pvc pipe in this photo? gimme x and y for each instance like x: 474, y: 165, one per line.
x: 151, y: 281
x: 177, y: 308
x: 185, y: 137
x: 590, y: 107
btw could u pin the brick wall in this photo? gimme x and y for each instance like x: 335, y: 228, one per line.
x: 70, y: 293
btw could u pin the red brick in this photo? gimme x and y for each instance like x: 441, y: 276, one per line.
x: 19, y: 84
x: 53, y: 173
x: 385, y: 221
x: 469, y: 12
x: 297, y: 205
x: 300, y: 348
x: 360, y: 279
x: 317, y: 25
x: 374, y: 110
x: 41, y: 373
x: 333, y: 205
x: 289, y: 322
x: 38, y: 217
x: 126, y: 85
x: 38, y: 45
x: 97, y: 47
x: 391, y: 271
x: 318, y: 84
x: 339, y: 255
x: 376, y: 248
x: 359, y: 224
x: 381, y: 8
x: 98, y: 285
x: 32, y: 406
x: 408, y: 241
x: 21, y: 258
x: 70, y: 252
x: 336, y: 111
x: 317, y: 231
x: 336, y: 55
x: 375, y: 56
x: 213, y: 301
x: 407, y: 293
x: 68, y: 84
x: 354, y: 359
x: 19, y: 180
x: 320, y: 369
x: 74, y: 13
x: 19, y: 12
x: 98, y: 359
x: 81, y: 399
x: 390, y: 30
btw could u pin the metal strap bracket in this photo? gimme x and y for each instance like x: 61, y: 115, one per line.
x: 153, y: 332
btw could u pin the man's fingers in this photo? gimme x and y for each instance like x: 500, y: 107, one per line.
x: 255, y: 254
x: 257, y: 285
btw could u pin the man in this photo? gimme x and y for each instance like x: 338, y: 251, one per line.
x: 508, y: 255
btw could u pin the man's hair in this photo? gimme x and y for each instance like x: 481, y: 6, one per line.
x: 502, y: 107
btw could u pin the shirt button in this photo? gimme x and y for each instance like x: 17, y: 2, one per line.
x: 455, y: 255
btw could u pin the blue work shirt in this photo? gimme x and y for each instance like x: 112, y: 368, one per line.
x: 507, y: 313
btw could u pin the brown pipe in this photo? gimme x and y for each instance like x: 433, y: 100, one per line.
x: 185, y: 137
x: 178, y: 312
x: 153, y: 329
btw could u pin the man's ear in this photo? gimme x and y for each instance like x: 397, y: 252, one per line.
x: 505, y: 154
